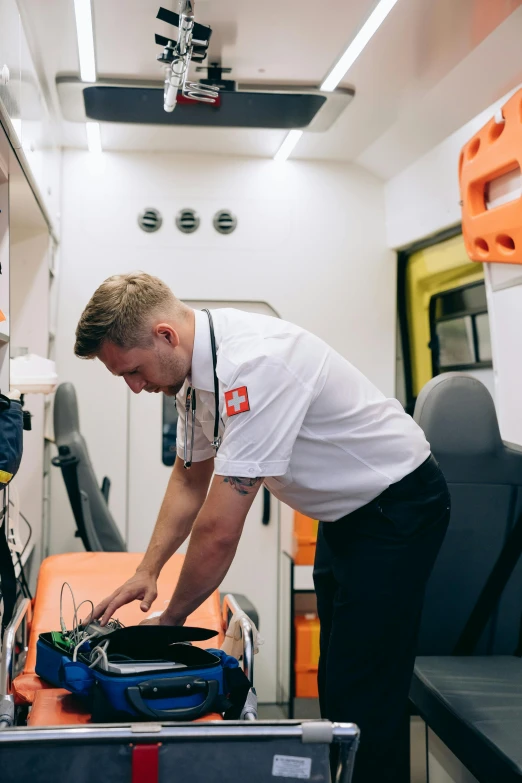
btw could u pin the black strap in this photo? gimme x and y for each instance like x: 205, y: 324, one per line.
x: 491, y: 592
x: 216, y: 382
x: 7, y: 571
x: 238, y: 686
x: 68, y: 464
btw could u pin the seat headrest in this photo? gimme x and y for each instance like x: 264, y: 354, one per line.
x: 458, y: 416
x: 66, y: 418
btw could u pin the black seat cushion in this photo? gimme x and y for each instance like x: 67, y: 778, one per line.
x: 475, y: 706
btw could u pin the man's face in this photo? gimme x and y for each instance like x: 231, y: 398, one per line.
x: 160, y: 367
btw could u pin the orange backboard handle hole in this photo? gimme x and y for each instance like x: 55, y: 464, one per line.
x: 461, y: 162
x: 505, y: 243
x: 473, y: 148
x: 482, y: 246
x: 496, y: 131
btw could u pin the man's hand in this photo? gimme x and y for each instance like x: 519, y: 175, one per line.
x: 164, y: 619
x: 142, y: 586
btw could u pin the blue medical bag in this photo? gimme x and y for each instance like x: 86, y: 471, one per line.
x: 207, y: 680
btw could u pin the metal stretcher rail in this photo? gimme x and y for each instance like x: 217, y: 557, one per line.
x: 231, y: 606
x: 8, y: 662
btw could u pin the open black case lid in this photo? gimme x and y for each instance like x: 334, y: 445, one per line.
x: 152, y: 641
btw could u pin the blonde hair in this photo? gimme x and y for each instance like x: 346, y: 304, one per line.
x: 120, y: 311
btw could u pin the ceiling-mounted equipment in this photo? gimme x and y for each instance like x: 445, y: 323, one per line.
x: 150, y: 220
x: 215, y: 73
x: 202, y: 104
x: 187, y: 220
x: 193, y: 41
x: 249, y: 106
x: 225, y: 221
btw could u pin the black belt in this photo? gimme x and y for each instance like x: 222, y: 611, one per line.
x: 430, y: 467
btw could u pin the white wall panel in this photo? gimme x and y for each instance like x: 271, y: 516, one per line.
x: 424, y: 198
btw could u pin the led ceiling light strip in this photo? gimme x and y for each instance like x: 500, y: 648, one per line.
x: 93, y: 137
x: 291, y: 139
x: 85, y: 36
x: 84, y: 33
x: 342, y: 66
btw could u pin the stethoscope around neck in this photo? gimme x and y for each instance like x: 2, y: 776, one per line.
x: 190, y: 405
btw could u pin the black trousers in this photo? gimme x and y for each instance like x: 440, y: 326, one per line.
x: 370, y: 573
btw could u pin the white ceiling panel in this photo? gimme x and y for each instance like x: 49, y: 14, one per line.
x: 418, y: 45
x: 437, y: 113
x: 290, y: 44
x: 430, y: 68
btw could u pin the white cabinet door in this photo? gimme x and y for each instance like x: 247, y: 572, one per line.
x: 255, y: 569
x: 10, y: 61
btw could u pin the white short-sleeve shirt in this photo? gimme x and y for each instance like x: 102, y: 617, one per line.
x: 295, y: 412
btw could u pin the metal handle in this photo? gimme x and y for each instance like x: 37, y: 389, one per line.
x: 265, y: 519
x: 7, y: 664
x: 106, y: 488
x: 231, y: 605
x: 346, y: 736
x: 172, y: 687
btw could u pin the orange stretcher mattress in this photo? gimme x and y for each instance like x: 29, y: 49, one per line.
x: 57, y: 707
x: 94, y: 575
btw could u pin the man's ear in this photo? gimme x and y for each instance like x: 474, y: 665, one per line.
x: 165, y: 332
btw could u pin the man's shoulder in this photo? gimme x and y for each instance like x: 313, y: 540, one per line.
x: 250, y: 342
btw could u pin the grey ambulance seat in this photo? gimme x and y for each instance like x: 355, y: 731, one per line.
x: 94, y: 521
x: 484, y: 476
x: 474, y: 704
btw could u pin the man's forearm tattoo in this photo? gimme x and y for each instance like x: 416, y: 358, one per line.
x: 242, y: 485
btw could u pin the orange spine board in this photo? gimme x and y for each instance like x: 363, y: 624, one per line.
x: 495, y: 234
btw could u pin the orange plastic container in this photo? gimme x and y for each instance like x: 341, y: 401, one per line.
x: 305, y: 539
x: 306, y: 656
x: 492, y: 226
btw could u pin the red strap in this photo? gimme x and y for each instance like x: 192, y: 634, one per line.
x: 145, y: 763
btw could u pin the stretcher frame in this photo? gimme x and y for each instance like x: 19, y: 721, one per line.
x: 16, y: 631
x: 160, y: 751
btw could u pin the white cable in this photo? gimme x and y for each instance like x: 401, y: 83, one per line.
x: 76, y: 621
x: 62, y: 621
x: 82, y: 641
x: 102, y: 655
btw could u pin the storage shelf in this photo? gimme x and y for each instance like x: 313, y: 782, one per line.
x: 303, y: 577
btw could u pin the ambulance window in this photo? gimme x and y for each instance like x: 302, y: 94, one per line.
x: 455, y: 338
x: 459, y: 325
x: 484, y: 338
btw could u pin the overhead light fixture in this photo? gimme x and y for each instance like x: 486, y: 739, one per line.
x: 342, y: 66
x: 93, y: 137
x: 355, y: 48
x: 290, y: 140
x: 85, y: 35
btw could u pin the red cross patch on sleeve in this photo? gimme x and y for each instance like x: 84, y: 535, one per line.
x: 236, y: 401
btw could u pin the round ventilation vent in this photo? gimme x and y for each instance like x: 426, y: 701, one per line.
x: 224, y: 221
x: 150, y: 220
x: 187, y: 220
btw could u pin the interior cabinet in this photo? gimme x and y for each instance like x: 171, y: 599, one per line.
x: 10, y: 61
